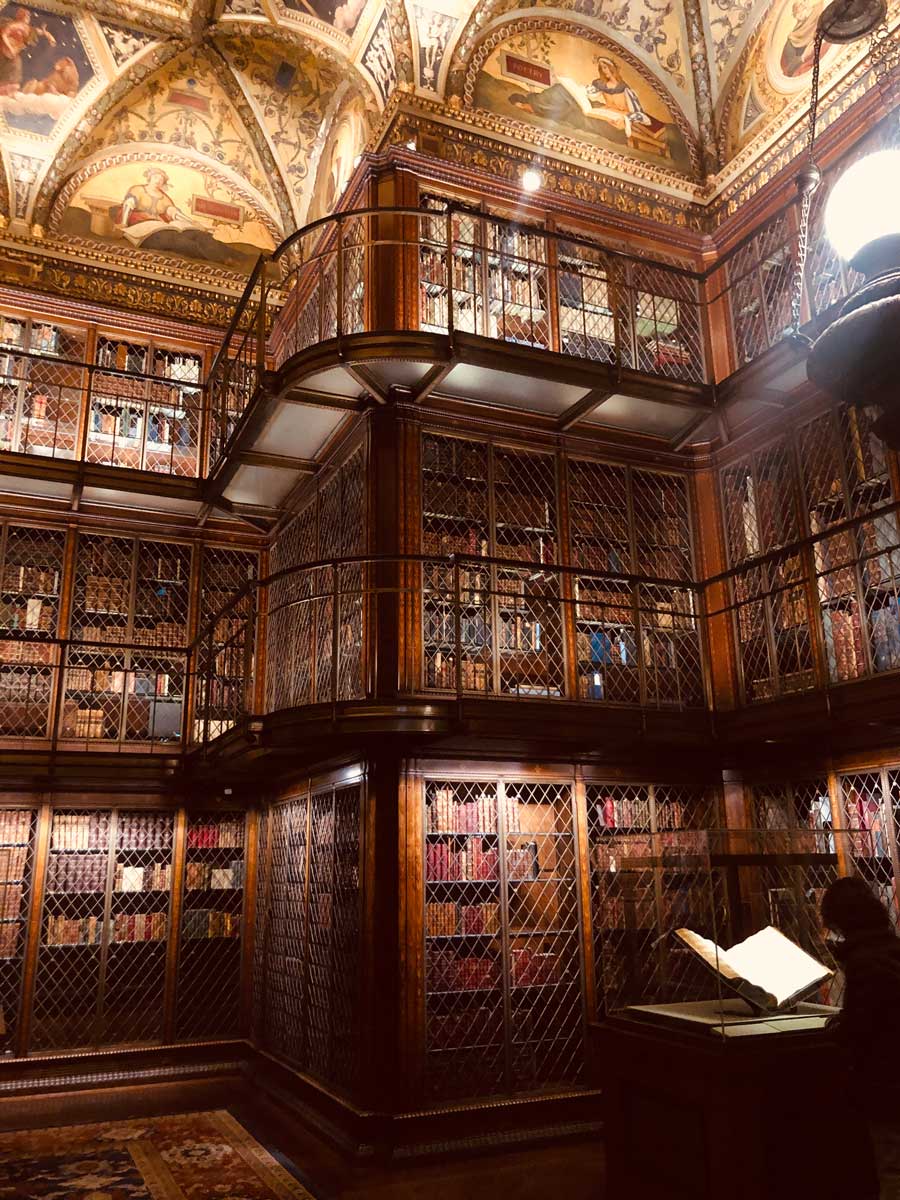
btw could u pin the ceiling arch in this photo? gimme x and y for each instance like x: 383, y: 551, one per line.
x: 564, y: 86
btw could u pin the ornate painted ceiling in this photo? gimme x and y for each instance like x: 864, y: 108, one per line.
x: 175, y: 139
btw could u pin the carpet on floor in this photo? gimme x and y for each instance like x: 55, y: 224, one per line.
x: 192, y: 1156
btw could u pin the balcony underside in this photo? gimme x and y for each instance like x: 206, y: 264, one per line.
x: 299, y: 410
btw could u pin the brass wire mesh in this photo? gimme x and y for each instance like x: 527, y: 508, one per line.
x: 305, y: 606
x: 226, y: 654
x: 135, y: 968
x: 17, y: 826
x: 67, y: 990
x: 759, y: 277
x: 31, y: 574
x: 503, y: 1002
x: 310, y: 926
x: 211, y: 935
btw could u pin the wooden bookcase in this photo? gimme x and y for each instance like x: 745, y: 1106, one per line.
x: 503, y: 967
x: 821, y: 474
x: 101, y: 963
x: 309, y: 930
x: 17, y: 828
x: 210, y: 938
x: 226, y: 654
x: 145, y: 407
x: 125, y: 674
x: 41, y: 400
x: 31, y: 578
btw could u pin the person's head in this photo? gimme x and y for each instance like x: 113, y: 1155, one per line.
x: 850, y: 908
x: 155, y: 177
x: 608, y: 69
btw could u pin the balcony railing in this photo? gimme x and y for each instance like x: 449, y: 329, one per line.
x: 81, y: 695
x: 473, y: 627
x: 63, y: 409
x: 402, y: 270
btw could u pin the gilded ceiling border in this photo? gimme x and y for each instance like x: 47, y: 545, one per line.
x: 483, y: 154
x: 560, y: 142
x: 80, y: 281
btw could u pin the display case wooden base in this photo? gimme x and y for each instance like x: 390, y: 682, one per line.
x: 694, y: 1116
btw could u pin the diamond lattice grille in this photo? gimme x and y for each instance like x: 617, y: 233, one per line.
x: 16, y: 860
x: 135, y: 972
x: 759, y: 276
x: 544, y: 957
x: 209, y: 960
x: 868, y: 812
x: 66, y: 1005
x: 464, y: 1022
x: 283, y: 1025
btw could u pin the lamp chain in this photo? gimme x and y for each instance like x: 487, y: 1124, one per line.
x: 807, y: 183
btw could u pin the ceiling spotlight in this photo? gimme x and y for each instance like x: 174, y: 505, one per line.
x: 531, y: 180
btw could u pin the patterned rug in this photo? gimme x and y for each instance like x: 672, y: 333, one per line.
x: 193, y: 1156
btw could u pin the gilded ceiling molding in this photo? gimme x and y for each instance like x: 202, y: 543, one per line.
x: 638, y: 24
x: 221, y: 69
x: 138, y: 71
x: 402, y: 39
x: 166, y: 20
x: 96, y: 285
x: 298, y: 22
x: 703, y: 93
x: 482, y: 154
x: 286, y: 38
x: 562, y: 143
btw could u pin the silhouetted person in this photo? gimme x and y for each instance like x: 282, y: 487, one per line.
x: 868, y: 1026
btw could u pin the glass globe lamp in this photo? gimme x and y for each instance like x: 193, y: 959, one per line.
x: 857, y: 358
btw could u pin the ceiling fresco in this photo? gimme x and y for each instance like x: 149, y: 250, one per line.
x: 179, y: 138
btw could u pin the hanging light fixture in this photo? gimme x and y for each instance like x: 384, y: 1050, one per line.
x: 857, y: 358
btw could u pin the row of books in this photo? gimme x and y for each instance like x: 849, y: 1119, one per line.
x: 448, y: 919
x: 162, y: 633
x: 440, y: 672
x: 476, y: 861
x: 446, y: 814
x: 31, y: 614
x: 154, y: 878
x: 15, y: 827
x: 530, y: 968
x: 79, y: 831
x: 11, y: 895
x: 76, y: 873
x: 9, y: 939
x: 32, y: 654
x: 73, y: 931
x: 200, y: 876
x: 115, y: 417
x: 106, y: 593
x: 144, y: 831
x: 227, y: 834
x: 613, y: 812
x: 202, y: 923
x: 13, y: 860
x: 30, y: 580
x: 447, y: 971
x: 138, y: 681
x: 140, y: 927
